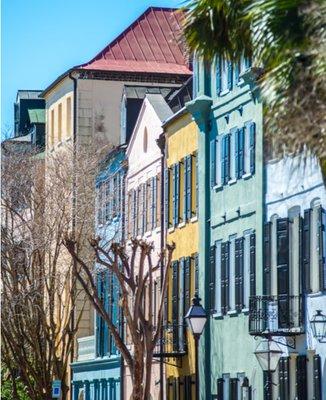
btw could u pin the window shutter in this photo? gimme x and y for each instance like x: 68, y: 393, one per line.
x: 220, y: 385
x: 236, y: 72
x: 212, y: 278
x: 267, y: 259
x: 189, y: 185
x: 306, y: 248
x: 187, y: 275
x: 158, y: 199
x: 218, y: 76
x: 223, y: 160
x: 253, y: 264
x: 144, y: 207
x: 225, y: 277
x: 241, y: 144
x: 230, y: 75
x: 234, y: 389
x: 174, y: 194
x: 134, y: 214
x: 321, y: 239
x: 213, y: 162
x: 196, y: 274
x: 166, y: 197
x: 185, y: 194
x: 99, y: 320
x: 284, y: 378
x: 252, y: 146
x: 155, y: 202
x: 197, y: 185
x: 175, y: 302
x: 317, y: 377
x: 227, y: 158
x: 301, y: 377
x: 107, y: 293
x: 282, y: 242
x: 181, y: 304
x: 236, y: 152
x: 239, y: 274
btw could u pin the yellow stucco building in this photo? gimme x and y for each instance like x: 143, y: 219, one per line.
x: 182, y: 228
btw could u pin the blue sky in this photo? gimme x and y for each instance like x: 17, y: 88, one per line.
x: 40, y: 39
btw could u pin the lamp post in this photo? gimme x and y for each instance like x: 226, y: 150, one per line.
x: 268, y: 354
x: 196, y: 319
x: 318, y: 325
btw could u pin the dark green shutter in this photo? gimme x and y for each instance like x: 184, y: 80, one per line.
x: 253, y: 264
x: 317, y: 377
x: 175, y: 302
x: 196, y: 274
x: 213, y: 162
x: 234, y: 389
x: 174, y: 195
x: 166, y: 197
x: 301, y: 377
x: 185, y: 197
x: 284, y: 378
x: 321, y: 243
x: 306, y: 249
x: 241, y: 144
x: 252, y: 146
x: 230, y: 75
x: 181, y: 304
x: 225, y: 277
x: 212, y: 279
x: 267, y: 259
x: 220, y: 386
x: 226, y: 158
x: 239, y: 274
x: 218, y: 76
x: 177, y: 193
x: 187, y: 286
x: 283, y: 281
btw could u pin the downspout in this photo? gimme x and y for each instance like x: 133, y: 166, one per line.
x: 74, y: 201
x: 161, y: 144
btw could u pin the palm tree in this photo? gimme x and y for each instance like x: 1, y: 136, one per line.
x: 287, y: 39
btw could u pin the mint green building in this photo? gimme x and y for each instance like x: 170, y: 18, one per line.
x: 228, y: 112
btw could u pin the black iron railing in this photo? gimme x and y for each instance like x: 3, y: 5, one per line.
x: 281, y: 315
x: 173, y: 342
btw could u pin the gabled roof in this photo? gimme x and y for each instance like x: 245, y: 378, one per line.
x: 150, y: 44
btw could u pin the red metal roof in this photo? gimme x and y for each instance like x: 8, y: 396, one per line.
x: 150, y: 44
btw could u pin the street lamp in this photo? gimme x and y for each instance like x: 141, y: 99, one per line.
x: 196, y: 319
x: 318, y: 325
x: 268, y: 354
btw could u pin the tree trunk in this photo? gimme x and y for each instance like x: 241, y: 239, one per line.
x: 138, y: 375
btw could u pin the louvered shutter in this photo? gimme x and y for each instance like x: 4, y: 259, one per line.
x: 253, y: 264
x: 166, y: 198
x: 213, y: 162
x: 223, y: 160
x: 197, y: 183
x: 226, y: 158
x: 267, y: 259
x: 174, y: 194
x: 187, y: 275
x: 306, y: 248
x: 107, y: 293
x: 284, y: 378
x: 185, y: 194
x: 98, y: 318
x: 321, y: 243
x: 301, y: 377
x: 220, y: 386
x: 154, y: 202
x: 282, y: 243
x: 235, y: 132
x: 317, y: 377
x: 236, y: 72
x: 181, y: 304
x: 196, y: 274
x: 212, y: 279
x: 234, y: 389
x: 218, y: 76
x: 225, y: 277
x: 189, y: 187
x: 252, y: 146
x: 239, y: 274
x: 175, y: 302
x: 241, y: 144
x: 144, y: 207
x: 230, y: 75
x: 158, y: 200
x: 114, y: 288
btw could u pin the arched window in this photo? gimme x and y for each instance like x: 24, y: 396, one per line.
x: 145, y: 140
x: 315, y: 202
x: 294, y: 212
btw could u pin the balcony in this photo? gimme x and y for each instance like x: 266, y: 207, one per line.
x: 173, y: 342
x: 86, y: 348
x: 280, y: 315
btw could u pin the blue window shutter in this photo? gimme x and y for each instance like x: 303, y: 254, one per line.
x: 230, y: 75
x: 189, y: 187
x: 236, y: 72
x: 114, y: 288
x: 213, y: 162
x: 166, y: 197
x: 212, y: 279
x: 252, y: 264
x: 227, y: 158
x: 225, y: 277
x: 235, y: 132
x: 223, y: 160
x: 252, y: 146
x: 99, y: 320
x: 239, y: 274
x: 247, y: 62
x: 177, y: 192
x: 241, y: 144
x: 218, y: 76
x: 185, y: 187
x: 108, y: 307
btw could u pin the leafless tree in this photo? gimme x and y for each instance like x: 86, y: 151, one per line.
x: 41, y: 302
x: 132, y: 266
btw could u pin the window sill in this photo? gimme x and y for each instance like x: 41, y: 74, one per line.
x: 68, y: 139
x: 224, y: 92
x: 181, y: 225
x: 315, y: 294
x: 232, y: 182
x: 59, y: 144
x: 148, y: 234
x: 218, y: 187
x: 170, y: 230
x: 232, y: 312
x: 247, y: 176
x: 217, y: 316
x: 245, y: 311
x: 194, y: 219
x: 157, y: 230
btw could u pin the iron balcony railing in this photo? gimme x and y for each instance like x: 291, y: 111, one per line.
x: 173, y: 342
x: 279, y: 315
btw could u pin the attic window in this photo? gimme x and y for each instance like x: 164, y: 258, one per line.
x: 145, y: 140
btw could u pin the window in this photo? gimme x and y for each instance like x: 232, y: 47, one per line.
x: 145, y: 140
x: 227, y: 75
x: 59, y: 122
x: 68, y: 116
